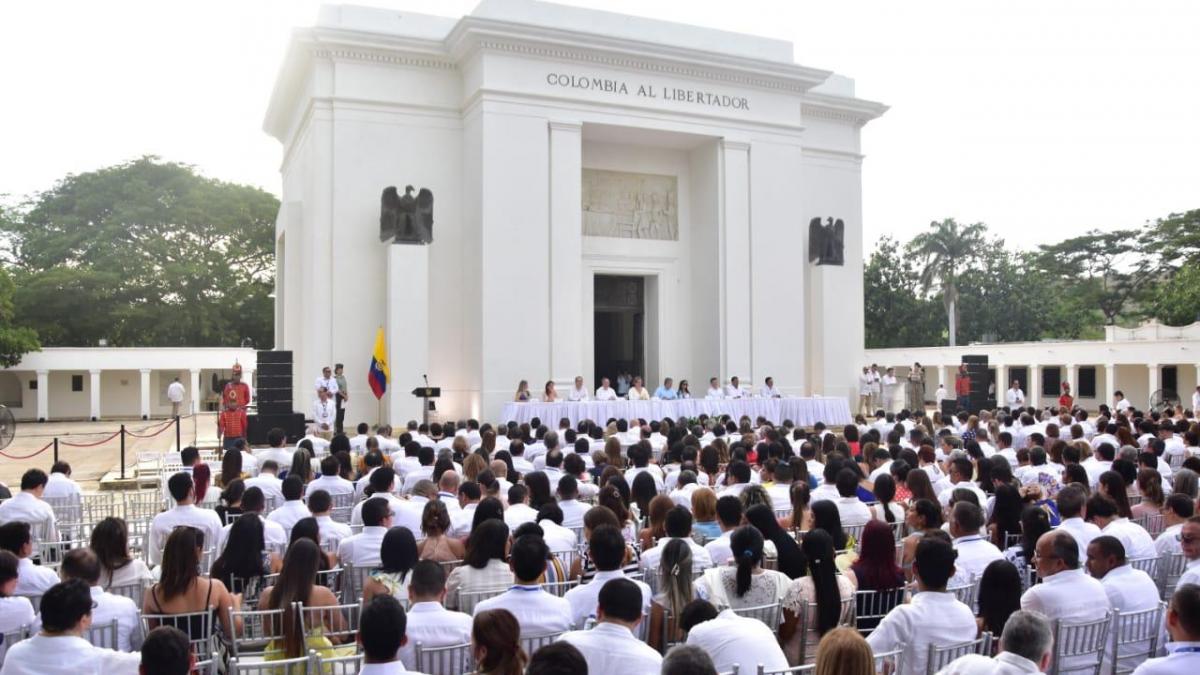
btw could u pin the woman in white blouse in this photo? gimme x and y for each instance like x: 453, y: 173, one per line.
x: 638, y: 391
x: 483, y: 565
x: 550, y: 392
x: 110, y: 541
x: 822, y: 588
x: 15, y: 611
x: 747, y: 584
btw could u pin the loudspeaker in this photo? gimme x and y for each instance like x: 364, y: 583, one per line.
x: 949, y: 406
x: 291, y: 423
x: 274, y: 395
x: 275, y: 371
x: 274, y: 407
x: 274, y: 356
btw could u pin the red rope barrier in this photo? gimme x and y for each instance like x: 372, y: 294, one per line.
x: 91, y: 445
x: 161, y: 429
x: 35, y: 454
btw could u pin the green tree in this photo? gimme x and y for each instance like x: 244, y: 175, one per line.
x: 1177, y: 302
x: 896, y: 314
x: 145, y: 253
x: 1109, y: 270
x: 946, y: 250
x: 15, y: 341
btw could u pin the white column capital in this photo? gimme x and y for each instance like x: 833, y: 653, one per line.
x: 94, y: 371
x: 145, y: 371
x: 1152, y: 366
x: 569, y: 126
x: 44, y: 372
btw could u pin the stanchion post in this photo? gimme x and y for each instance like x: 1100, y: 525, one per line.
x: 122, y: 452
x: 56, y: 449
x: 178, y: 436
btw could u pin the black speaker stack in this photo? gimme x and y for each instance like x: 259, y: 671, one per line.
x: 977, y: 370
x: 274, y: 393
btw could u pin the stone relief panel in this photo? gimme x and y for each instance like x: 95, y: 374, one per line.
x: 630, y: 205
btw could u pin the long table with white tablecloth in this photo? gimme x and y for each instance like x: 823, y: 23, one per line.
x: 803, y: 411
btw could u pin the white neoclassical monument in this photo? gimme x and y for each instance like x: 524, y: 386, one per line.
x: 610, y: 194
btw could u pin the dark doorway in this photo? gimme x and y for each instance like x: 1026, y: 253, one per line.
x: 619, y: 333
x: 1170, y: 380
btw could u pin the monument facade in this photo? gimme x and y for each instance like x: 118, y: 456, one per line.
x: 564, y: 146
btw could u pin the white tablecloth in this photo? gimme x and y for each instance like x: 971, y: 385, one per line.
x: 803, y: 411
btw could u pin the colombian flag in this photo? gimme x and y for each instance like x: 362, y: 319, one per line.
x: 377, y: 376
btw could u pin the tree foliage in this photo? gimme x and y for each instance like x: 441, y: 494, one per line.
x: 15, y: 341
x: 945, y: 250
x: 146, y: 253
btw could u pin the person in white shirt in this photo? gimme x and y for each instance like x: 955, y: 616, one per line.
x: 1189, y: 540
x: 59, y: 647
x: 961, y: 470
x: 734, y: 388
x: 1025, y: 649
x: 382, y: 633
x: 714, y: 389
x: 253, y: 505
x: 430, y: 624
x: 358, y: 442
x: 865, y: 380
x: 268, y: 482
x: 605, y: 392
x: 557, y: 537
x: 331, y: 531
x: 579, y: 392
x: 678, y: 526
x: 768, y: 389
x: 329, y: 480
x: 607, y: 550
x: 852, y: 511
x: 326, y: 381
x: 933, y: 617
x: 1071, y: 501
x: 363, y: 549
x: 890, y: 386
x: 1196, y: 402
x: 185, y: 512
x: 1066, y: 592
x: 729, y: 638
x: 1137, y: 541
x: 1183, y: 625
x: 293, y: 507
x: 1176, y: 510
x: 1128, y: 589
x: 60, y: 486
x: 519, y: 512
x: 537, y: 611
x: 324, y: 414
x: 32, y: 580
x: 175, y: 393
x: 82, y: 564
x: 611, y: 647
x: 27, y: 506
x: 940, y: 394
x: 15, y: 611
x: 1015, y: 396
x: 666, y: 391
x: 568, y: 501
x: 974, y: 552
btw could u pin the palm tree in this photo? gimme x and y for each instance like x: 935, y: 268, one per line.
x: 944, y: 250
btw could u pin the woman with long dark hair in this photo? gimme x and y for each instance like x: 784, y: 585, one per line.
x: 656, y: 521
x: 820, y: 593
x: 826, y: 517
x: 310, y: 529
x: 110, y: 543
x: 610, y: 497
x: 1150, y: 486
x: 302, y: 465
x: 675, y: 590
x: 1113, y: 486
x: 643, y: 490
x: 181, y: 589
x: 920, y: 486
x: 1006, y: 516
x: 483, y: 563
x: 800, y: 519
x: 789, y: 557
x: 398, y: 555
x: 923, y: 516
x: 231, y: 500
x: 540, y: 493
x: 496, y: 643
x: 297, y: 582
x: 1034, y: 523
x: 438, y: 545
x: 886, y: 509
x: 999, y: 595
x: 245, y: 558
x: 231, y: 468
x: 746, y: 584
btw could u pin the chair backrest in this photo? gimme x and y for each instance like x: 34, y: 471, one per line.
x: 1135, y: 637
x: 578, y: 534
x: 450, y: 660
x: 135, y: 591
x: 258, y: 628
x: 1079, y: 647
x: 468, y: 599
x: 332, y: 579
x: 449, y: 566
x: 532, y: 643
x: 352, y: 581
x: 846, y: 618
x: 855, y: 532
x: 1170, y: 568
x: 339, y: 665
x: 338, y: 622
x: 871, y: 606
x: 762, y: 670
x: 899, y: 531
x: 51, y: 553
x: 35, y: 600
x: 11, y: 638
x: 68, y: 509
x: 560, y: 588
x: 1011, y: 540
x: 940, y: 657
x: 231, y: 518
x: 342, y: 500
x: 768, y: 614
x: 889, y: 662
x: 301, y: 665
x: 341, y: 514
x: 1148, y: 565
x: 103, y: 635
x: 198, y: 626
x: 1151, y: 522
x: 965, y: 593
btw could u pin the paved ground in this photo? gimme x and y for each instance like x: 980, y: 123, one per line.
x: 88, y: 464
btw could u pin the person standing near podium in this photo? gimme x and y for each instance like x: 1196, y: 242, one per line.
x: 341, y: 397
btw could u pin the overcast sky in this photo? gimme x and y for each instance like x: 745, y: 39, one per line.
x: 1042, y: 119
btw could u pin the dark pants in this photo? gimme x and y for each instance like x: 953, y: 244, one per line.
x: 964, y: 402
x: 341, y: 415
x: 227, y: 442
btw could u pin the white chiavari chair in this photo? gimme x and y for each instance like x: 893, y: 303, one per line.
x: 1134, y: 637
x: 451, y: 660
x: 939, y: 657
x: 768, y: 614
x: 1079, y: 647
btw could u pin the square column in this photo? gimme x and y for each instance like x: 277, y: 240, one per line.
x: 94, y: 393
x: 1154, y: 381
x: 43, y: 395
x: 145, y: 387
x: 1110, y: 381
x: 194, y: 390
x: 1002, y: 385
x: 734, y: 263
x: 1034, y: 395
x: 1073, y: 379
x: 407, y: 330
x: 566, y: 249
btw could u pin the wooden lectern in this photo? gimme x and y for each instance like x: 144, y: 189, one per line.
x: 425, y: 394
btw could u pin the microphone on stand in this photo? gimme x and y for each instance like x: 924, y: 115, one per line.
x: 426, y: 379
